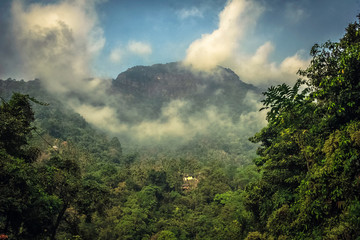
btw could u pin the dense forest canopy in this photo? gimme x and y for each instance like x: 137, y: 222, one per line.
x: 60, y: 178
x: 309, y: 154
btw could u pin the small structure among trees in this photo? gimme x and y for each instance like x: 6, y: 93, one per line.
x: 189, y: 182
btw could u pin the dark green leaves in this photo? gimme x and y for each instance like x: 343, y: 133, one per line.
x: 309, y: 153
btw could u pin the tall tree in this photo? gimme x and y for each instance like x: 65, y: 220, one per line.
x: 310, y: 149
x: 25, y: 208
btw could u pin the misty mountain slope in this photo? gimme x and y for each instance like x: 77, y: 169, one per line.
x: 175, y: 107
x: 173, y: 80
x: 152, y: 87
x: 57, y: 122
x: 164, y: 106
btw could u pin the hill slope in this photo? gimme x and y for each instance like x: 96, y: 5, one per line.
x: 159, y: 84
x: 162, y: 106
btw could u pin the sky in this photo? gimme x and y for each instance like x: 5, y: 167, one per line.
x: 76, y: 46
x: 264, y: 41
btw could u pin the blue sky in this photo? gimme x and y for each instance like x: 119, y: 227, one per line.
x: 265, y: 35
x: 291, y: 26
x: 160, y: 23
x: 64, y: 42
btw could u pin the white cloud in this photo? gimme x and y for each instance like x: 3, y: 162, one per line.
x: 139, y: 48
x: 116, y: 55
x: 175, y: 124
x: 216, y: 48
x: 102, y: 117
x: 224, y: 47
x: 259, y: 70
x: 57, y: 42
x: 189, y: 12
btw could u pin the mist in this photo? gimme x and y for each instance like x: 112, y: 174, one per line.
x: 58, y: 42
x: 178, y: 123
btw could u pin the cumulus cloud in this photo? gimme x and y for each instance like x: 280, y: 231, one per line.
x: 216, y: 48
x: 139, y: 48
x: 259, y: 70
x: 189, y: 12
x: 57, y: 42
x: 224, y: 46
x: 116, y: 55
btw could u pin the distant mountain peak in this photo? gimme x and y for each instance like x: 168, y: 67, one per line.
x: 175, y: 80
x: 150, y: 88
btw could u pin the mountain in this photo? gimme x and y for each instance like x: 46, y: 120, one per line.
x: 163, y: 105
x: 84, y: 186
x: 173, y: 80
x: 57, y: 122
x: 152, y: 87
x: 165, y: 151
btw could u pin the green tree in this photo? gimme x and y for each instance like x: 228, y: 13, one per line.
x: 309, y: 153
x: 16, y: 117
x: 25, y: 207
x: 166, y: 235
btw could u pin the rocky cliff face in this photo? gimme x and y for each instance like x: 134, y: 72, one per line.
x: 172, y: 80
x: 158, y: 84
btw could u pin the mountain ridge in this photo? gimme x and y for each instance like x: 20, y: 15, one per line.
x: 153, y: 87
x: 153, y: 105
x: 171, y: 75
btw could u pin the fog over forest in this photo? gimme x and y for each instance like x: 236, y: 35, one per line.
x: 222, y: 119
x: 60, y: 53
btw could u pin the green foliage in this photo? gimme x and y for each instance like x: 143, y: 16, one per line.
x: 26, y: 208
x: 166, y: 235
x: 92, y: 187
x: 80, y: 186
x: 310, y: 150
x: 283, y: 101
x: 16, y: 117
x: 70, y: 181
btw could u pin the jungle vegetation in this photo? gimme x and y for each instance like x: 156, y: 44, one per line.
x: 60, y: 178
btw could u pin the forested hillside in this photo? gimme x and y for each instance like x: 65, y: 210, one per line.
x: 62, y: 177
x: 73, y: 182
x: 309, y: 154
x: 92, y: 187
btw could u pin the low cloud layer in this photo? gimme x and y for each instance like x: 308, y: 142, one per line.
x: 224, y: 46
x: 58, y: 43
x: 176, y: 124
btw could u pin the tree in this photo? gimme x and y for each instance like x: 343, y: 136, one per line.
x: 25, y: 207
x: 309, y: 153
x: 16, y: 117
